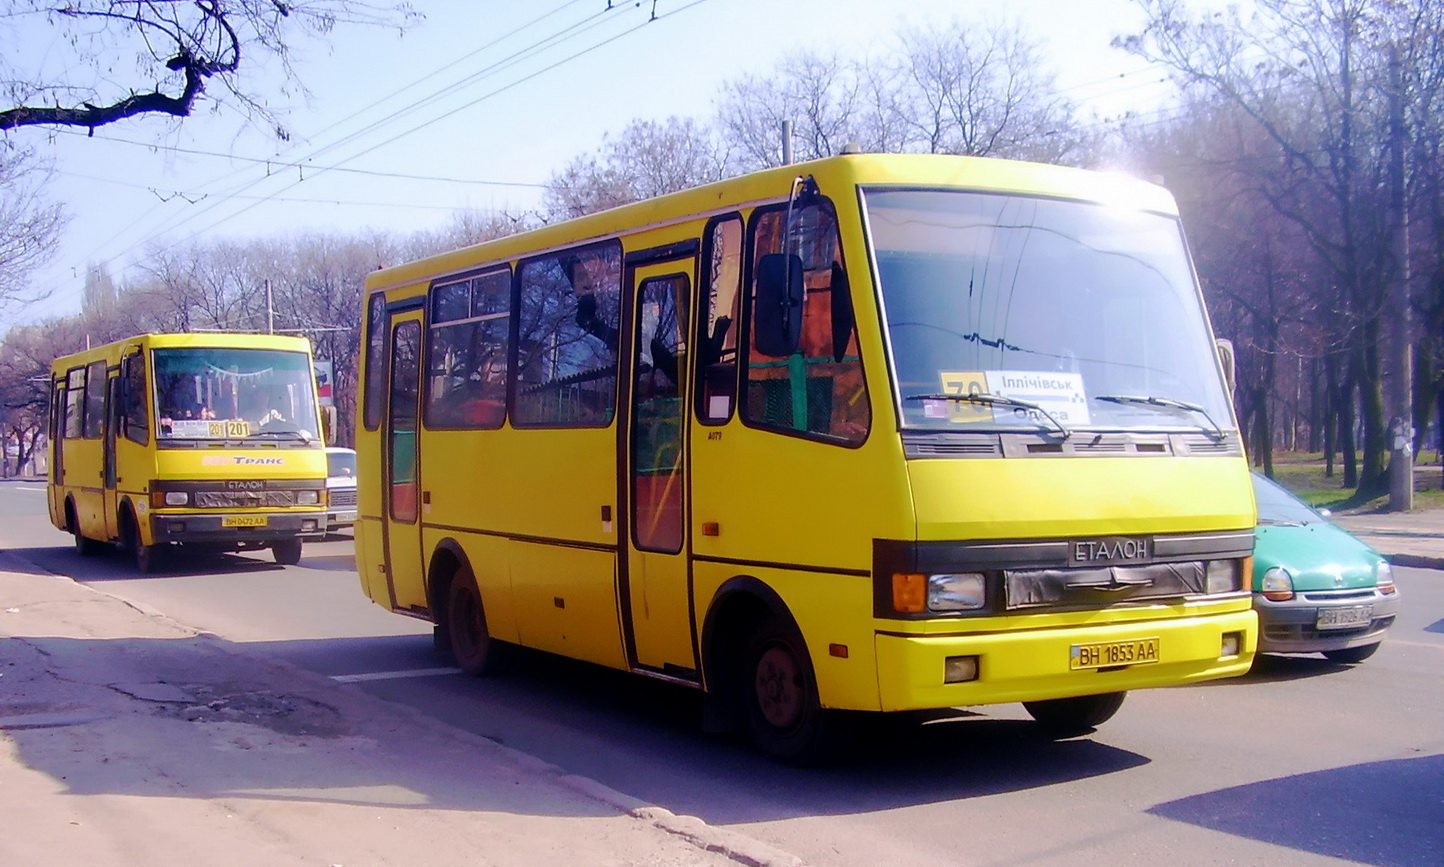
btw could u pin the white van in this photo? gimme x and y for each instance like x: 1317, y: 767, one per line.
x: 340, y: 487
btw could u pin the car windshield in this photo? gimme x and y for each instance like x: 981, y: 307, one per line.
x: 1277, y: 506
x: 235, y: 394
x: 1087, y: 311
x: 341, y: 464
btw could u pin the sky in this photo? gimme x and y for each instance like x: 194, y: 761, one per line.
x: 477, y: 105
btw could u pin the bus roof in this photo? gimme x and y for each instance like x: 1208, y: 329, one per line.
x: 196, y: 340
x: 771, y: 185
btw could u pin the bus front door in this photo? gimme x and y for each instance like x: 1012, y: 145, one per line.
x: 657, y: 598
x: 111, y: 505
x: 403, y: 500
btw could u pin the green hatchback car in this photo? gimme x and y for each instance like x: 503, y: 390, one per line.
x: 1316, y: 588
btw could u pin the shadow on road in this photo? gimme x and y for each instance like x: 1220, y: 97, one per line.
x: 1315, y: 812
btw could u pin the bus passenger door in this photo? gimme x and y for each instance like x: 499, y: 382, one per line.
x: 112, y: 423
x: 656, y: 583
x: 402, y: 499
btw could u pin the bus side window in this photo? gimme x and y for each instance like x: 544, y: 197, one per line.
x: 717, y: 325
x: 94, y: 423
x: 137, y: 420
x: 375, y: 382
x: 467, y: 344
x: 74, y: 403
x: 818, y: 391
x: 566, y: 354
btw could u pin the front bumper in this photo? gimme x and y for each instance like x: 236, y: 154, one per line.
x: 1034, y: 664
x: 209, y: 528
x: 1292, y: 626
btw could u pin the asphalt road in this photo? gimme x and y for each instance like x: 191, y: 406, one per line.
x: 1301, y: 762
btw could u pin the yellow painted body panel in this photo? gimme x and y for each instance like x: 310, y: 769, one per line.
x: 1031, y: 498
x: 527, y: 507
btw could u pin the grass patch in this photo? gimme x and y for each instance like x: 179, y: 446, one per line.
x: 1303, y: 473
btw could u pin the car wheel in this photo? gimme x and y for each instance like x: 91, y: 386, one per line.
x: 1066, y: 717
x: 472, y: 646
x: 1352, y: 655
x: 783, y: 713
x: 287, y: 552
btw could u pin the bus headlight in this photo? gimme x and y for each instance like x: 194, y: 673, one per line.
x: 959, y: 591
x: 307, y: 498
x: 1222, y: 576
x: 176, y: 498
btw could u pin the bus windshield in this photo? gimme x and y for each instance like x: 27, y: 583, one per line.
x: 1007, y: 312
x: 235, y: 394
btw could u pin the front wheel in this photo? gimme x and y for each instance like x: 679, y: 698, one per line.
x: 784, y: 716
x: 1351, y: 655
x: 143, y: 556
x: 287, y: 552
x: 1065, y: 717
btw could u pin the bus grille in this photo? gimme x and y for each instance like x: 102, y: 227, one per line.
x: 243, y: 499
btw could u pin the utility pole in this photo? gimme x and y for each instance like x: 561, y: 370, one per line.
x: 1401, y: 427
x: 270, y: 311
x: 787, y: 142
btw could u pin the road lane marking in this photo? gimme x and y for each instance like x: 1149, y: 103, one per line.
x: 393, y: 675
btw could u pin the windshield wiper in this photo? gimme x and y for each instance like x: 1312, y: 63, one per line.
x: 290, y: 434
x: 987, y: 399
x: 1165, y: 403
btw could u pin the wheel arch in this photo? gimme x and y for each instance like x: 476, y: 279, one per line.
x: 447, y: 558
x: 738, y: 606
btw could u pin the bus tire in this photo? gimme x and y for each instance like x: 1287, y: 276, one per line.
x: 287, y: 551
x: 84, y: 545
x: 1066, y: 717
x: 472, y: 646
x: 144, y: 557
x: 779, y: 692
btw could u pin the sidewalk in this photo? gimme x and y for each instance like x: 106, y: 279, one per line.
x: 1405, y: 538
x: 126, y: 738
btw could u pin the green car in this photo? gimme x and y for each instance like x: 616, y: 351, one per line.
x: 1316, y: 588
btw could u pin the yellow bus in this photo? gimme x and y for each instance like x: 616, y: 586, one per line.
x: 205, y: 440
x: 871, y: 433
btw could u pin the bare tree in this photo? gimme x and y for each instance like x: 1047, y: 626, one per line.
x: 1312, y: 75
x: 982, y: 90
x: 646, y: 159
x: 107, y: 60
x: 30, y: 227
x: 822, y: 96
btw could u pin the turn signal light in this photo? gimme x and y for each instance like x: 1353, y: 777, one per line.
x: 909, y: 592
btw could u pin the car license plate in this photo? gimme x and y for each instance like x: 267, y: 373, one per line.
x: 1351, y: 617
x: 1104, y: 654
x: 244, y: 521
x: 345, y: 518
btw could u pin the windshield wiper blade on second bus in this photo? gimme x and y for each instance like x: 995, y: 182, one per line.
x: 988, y: 399
x: 1165, y: 403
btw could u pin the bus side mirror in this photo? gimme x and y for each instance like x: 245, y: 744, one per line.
x: 778, y: 308
x: 1226, y: 358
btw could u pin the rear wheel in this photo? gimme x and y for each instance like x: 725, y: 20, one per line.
x: 84, y: 545
x: 1352, y: 655
x: 1065, y: 717
x: 784, y: 716
x: 472, y: 646
x: 287, y: 552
